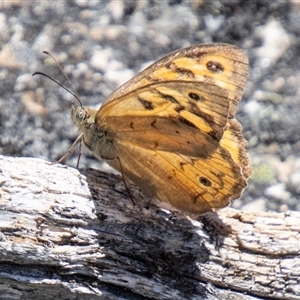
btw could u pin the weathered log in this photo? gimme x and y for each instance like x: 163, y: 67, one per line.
x: 70, y: 234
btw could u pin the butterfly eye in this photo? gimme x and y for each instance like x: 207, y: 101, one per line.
x: 81, y: 114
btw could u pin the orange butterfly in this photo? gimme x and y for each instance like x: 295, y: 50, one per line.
x: 171, y: 129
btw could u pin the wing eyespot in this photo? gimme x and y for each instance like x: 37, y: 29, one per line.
x: 215, y: 67
x: 194, y: 96
x: 205, y: 181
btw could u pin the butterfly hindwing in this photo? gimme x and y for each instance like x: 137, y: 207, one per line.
x: 189, y: 184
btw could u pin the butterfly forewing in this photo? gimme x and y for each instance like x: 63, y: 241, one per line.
x: 221, y: 64
x: 182, y: 117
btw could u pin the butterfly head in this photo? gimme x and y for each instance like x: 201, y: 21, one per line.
x: 83, y: 117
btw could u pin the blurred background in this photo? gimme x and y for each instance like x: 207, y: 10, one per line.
x: 102, y: 44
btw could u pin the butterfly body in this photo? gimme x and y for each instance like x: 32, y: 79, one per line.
x: 172, y: 128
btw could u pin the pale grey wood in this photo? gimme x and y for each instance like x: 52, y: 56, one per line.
x: 70, y: 234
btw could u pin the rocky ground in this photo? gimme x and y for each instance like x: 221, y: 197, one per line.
x: 101, y: 44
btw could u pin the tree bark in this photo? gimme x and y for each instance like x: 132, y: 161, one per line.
x: 70, y: 234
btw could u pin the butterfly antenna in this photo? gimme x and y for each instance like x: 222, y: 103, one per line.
x: 74, y: 94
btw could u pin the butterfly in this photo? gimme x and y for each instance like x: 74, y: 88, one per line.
x: 172, y: 129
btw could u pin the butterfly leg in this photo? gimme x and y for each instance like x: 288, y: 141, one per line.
x: 124, y: 180
x: 79, y: 139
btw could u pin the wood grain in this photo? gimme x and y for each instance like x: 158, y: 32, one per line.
x: 72, y: 234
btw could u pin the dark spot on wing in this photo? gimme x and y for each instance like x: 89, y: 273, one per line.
x: 168, y: 66
x: 153, y: 79
x: 179, y: 70
x: 185, y: 72
x: 215, y: 67
x: 146, y: 103
x: 179, y: 108
x: 195, y: 55
x: 181, y: 164
x: 167, y: 97
x: 194, y: 96
x: 153, y: 124
x: 205, y: 181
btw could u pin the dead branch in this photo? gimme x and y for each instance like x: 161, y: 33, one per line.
x: 70, y: 234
